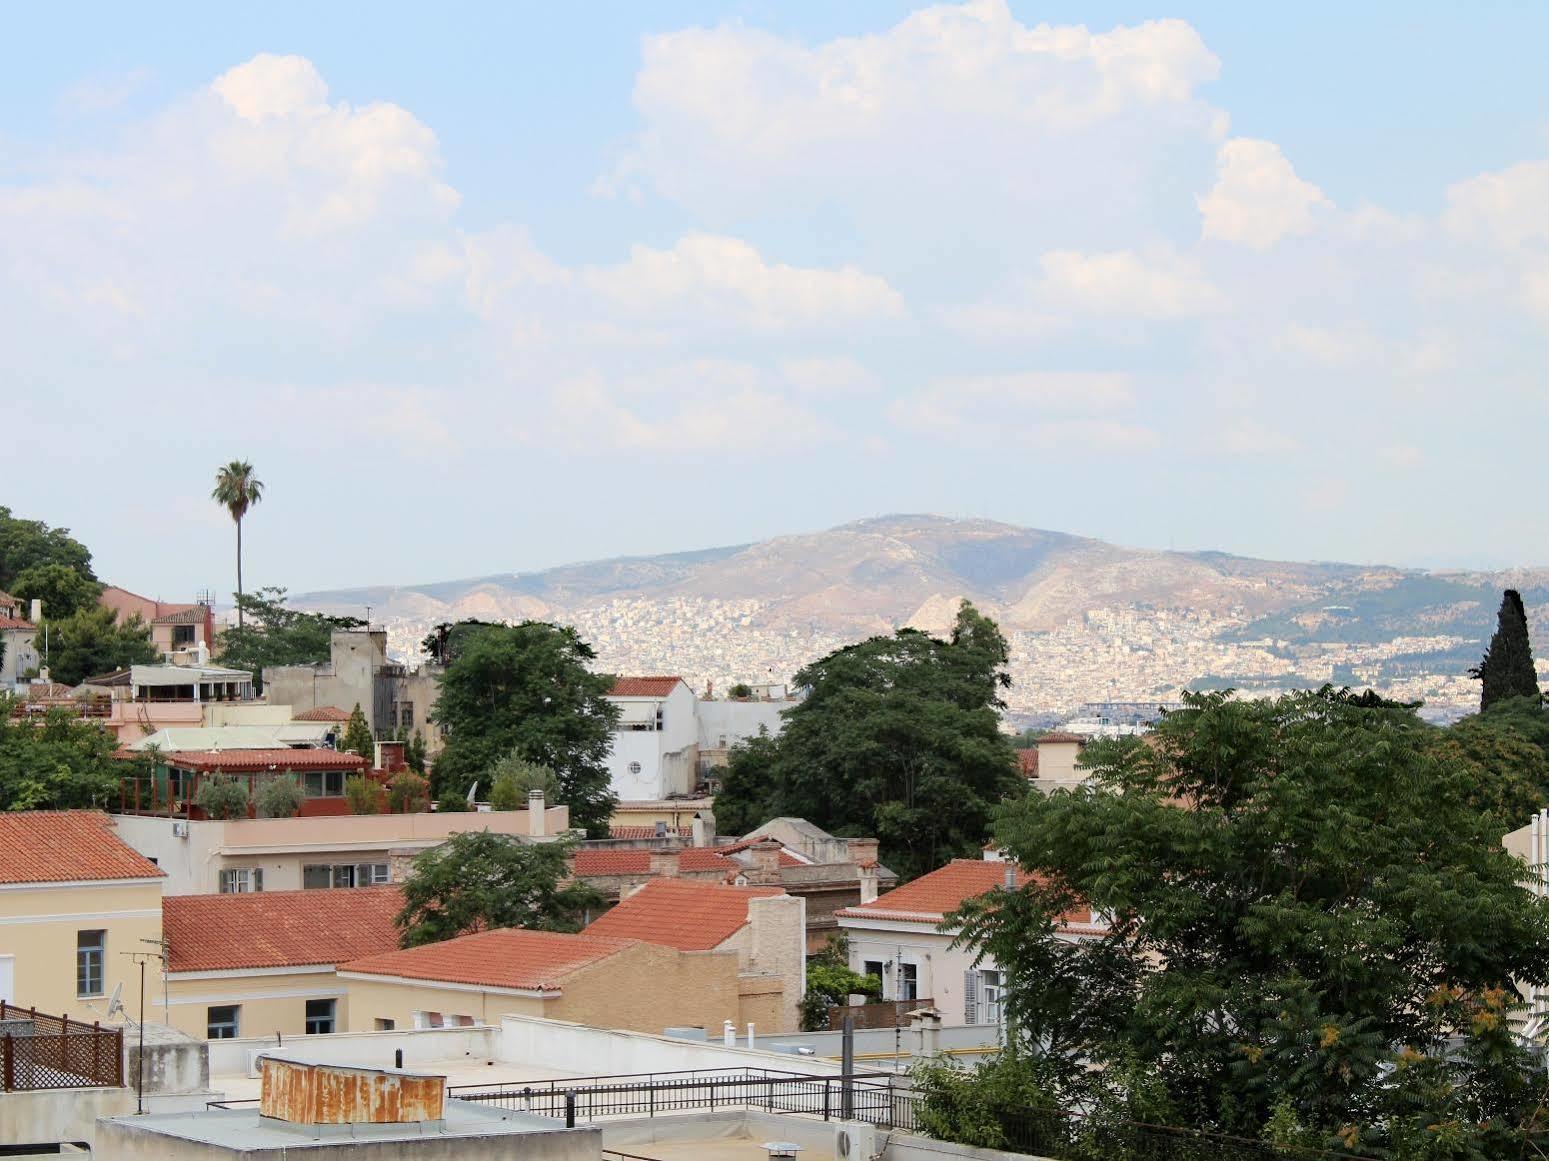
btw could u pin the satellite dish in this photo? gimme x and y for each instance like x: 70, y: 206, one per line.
x: 472, y: 790
x: 116, y: 1001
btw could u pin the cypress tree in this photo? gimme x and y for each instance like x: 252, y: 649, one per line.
x: 1507, y: 667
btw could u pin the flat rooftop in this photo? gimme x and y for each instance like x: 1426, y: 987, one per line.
x: 462, y: 1070
x: 240, y: 1130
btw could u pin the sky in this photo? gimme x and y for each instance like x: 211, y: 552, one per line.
x: 516, y: 285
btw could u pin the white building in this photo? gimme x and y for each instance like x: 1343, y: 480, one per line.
x: 656, y: 742
x: 897, y: 937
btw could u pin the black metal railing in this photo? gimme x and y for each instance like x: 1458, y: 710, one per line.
x: 39, y: 1051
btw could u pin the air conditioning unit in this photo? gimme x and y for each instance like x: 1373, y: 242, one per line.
x: 253, y: 1056
x: 180, y: 830
x: 855, y: 1141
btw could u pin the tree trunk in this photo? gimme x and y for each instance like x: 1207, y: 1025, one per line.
x: 239, y: 574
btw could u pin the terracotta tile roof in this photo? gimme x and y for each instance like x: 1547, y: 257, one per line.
x: 932, y: 897
x: 67, y: 846
x: 787, y: 858
x: 7, y: 599
x: 181, y: 615
x: 323, y: 713
x: 638, y: 862
x: 508, y: 958
x: 15, y: 623
x: 681, y: 913
x: 645, y: 832
x: 269, y: 929
x: 643, y: 686
x: 1064, y: 736
x: 1028, y: 761
x: 250, y: 761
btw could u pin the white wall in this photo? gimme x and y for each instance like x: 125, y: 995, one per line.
x: 941, y: 967
x: 722, y: 724
x: 192, y: 864
x: 667, y: 757
x: 367, y: 1049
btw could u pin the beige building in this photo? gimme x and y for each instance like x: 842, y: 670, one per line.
x: 764, y: 926
x: 358, y: 672
x: 208, y: 856
x: 584, y: 979
x: 74, y: 898
x: 263, y: 964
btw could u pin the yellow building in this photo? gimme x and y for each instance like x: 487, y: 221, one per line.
x: 263, y: 964
x: 74, y: 902
x: 585, y: 979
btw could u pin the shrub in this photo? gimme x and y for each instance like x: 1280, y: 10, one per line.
x: 740, y: 690
x: 362, y: 794
x: 450, y: 803
x: 222, y: 797
x: 514, y: 777
x: 278, y: 797
x: 408, y: 793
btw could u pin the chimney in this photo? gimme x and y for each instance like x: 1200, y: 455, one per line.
x: 701, y: 832
x: 1009, y: 879
x: 766, y: 863
x: 868, y: 881
x: 664, y: 864
x: 37, y: 610
x: 390, y: 757
x: 536, y: 820
x: 661, y: 829
x: 861, y: 851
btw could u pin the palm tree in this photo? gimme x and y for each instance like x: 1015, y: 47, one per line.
x: 237, y: 490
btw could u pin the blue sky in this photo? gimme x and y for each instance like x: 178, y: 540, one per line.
x: 518, y: 285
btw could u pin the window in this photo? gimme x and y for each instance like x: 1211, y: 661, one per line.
x: 406, y: 715
x: 873, y: 967
x: 242, y: 880
x: 183, y: 636
x: 385, y: 1025
x: 222, y: 1023
x: 427, y: 1020
x: 90, y: 957
x: 323, y: 875
x: 990, y: 996
x: 320, y: 1017
x: 661, y: 718
x: 908, y: 981
x: 323, y: 783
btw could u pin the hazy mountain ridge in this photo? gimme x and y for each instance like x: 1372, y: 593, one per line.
x: 740, y: 611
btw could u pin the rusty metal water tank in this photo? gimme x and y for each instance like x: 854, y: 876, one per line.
x: 309, y: 1093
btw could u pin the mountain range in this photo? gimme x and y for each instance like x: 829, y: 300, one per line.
x: 1182, y: 618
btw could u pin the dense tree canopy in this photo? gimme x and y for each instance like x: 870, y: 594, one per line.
x: 29, y: 544
x: 59, y: 763
x: 272, y: 633
x: 1507, y: 668
x: 1314, y: 933
x: 527, y: 689
x: 478, y: 881
x: 898, y: 737
x: 90, y: 643
x: 64, y: 591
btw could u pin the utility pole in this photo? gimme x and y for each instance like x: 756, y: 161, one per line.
x: 141, y: 958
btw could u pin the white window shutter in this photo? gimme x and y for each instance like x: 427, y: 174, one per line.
x: 971, y: 997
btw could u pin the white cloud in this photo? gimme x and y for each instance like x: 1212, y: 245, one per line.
x: 725, y: 276
x: 842, y: 376
x: 272, y: 86
x: 1401, y: 455
x: 1124, y: 283
x: 1257, y: 199
x: 1252, y: 439
x: 1506, y: 208
x: 1042, y: 409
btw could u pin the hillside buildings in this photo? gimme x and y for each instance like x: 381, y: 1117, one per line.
x: 395, y: 698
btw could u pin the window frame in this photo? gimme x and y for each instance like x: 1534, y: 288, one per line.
x: 223, y: 1029
x: 314, y: 1021
x: 87, y: 957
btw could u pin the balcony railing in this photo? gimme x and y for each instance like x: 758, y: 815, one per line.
x: 39, y: 1051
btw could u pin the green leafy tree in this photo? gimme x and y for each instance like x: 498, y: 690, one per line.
x: 527, y: 689
x: 58, y: 763
x: 278, y: 797
x: 740, y: 690
x: 222, y: 797
x: 357, y: 736
x: 63, y: 590
x: 478, y: 881
x: 1507, y: 668
x: 829, y: 986
x: 31, y: 544
x: 513, y: 778
x: 362, y: 794
x: 1505, y: 771
x: 743, y: 801
x: 90, y: 643
x: 1298, y: 891
x: 453, y: 803
x: 273, y: 634
x: 407, y: 793
x: 237, y: 489
x: 414, y: 752
x: 898, y: 737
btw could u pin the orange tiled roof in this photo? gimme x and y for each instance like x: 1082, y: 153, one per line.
x: 646, y: 832
x: 508, y: 958
x: 67, y: 846
x: 643, y: 686
x: 180, y: 615
x: 944, y: 890
x: 638, y: 862
x: 15, y: 623
x: 785, y: 859
x: 269, y: 929
x: 1064, y: 736
x: 251, y: 761
x: 681, y: 913
x: 1028, y: 760
x: 323, y: 713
